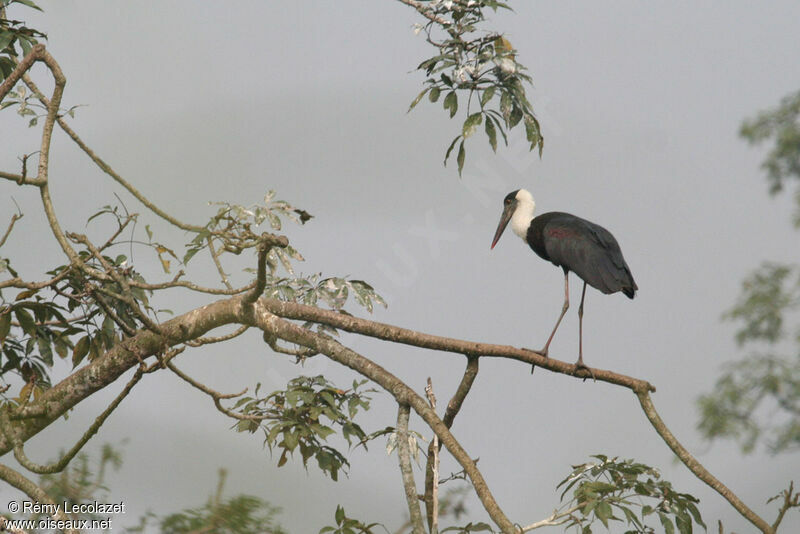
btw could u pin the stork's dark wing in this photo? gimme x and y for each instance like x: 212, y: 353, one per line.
x: 588, y: 250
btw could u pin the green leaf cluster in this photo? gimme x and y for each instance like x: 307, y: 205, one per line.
x: 303, y: 416
x: 77, y: 316
x: 233, y: 230
x: 480, y: 65
x: 609, y: 490
x: 768, y: 294
x: 745, y: 386
x: 782, y: 125
x: 242, y: 514
x: 468, y: 528
x: 348, y: 525
x: 768, y: 379
x: 314, y: 290
x: 15, y: 37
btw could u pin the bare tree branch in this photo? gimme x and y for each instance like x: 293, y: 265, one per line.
x: 696, y: 467
x: 395, y: 334
x: 218, y: 397
x: 404, y: 457
x: 218, y: 339
x: 555, y: 519
x: 266, y: 244
x: 105, y: 167
x: 196, y: 323
x: 399, y: 390
x: 14, y: 219
x: 790, y: 500
x: 431, y: 477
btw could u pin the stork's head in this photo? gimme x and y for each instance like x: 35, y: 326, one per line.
x: 518, y: 208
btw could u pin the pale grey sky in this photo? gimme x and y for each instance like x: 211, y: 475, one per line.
x: 640, y: 105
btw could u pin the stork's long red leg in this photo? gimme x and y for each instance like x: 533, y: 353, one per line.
x: 580, y: 328
x: 564, y: 309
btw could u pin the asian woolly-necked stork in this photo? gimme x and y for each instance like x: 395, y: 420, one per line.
x: 572, y: 243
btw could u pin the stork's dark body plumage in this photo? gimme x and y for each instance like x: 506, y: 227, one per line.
x: 572, y: 243
x: 585, y: 248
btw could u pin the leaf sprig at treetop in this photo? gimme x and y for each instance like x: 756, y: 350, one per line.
x: 480, y: 64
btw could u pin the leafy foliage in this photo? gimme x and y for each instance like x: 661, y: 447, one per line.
x: 482, y: 66
x: 232, y: 229
x: 303, y: 416
x: 314, y: 291
x: 782, y: 124
x: 767, y: 381
x: 731, y: 410
x: 243, y: 514
x: 75, y: 313
x: 83, y: 482
x: 468, y: 528
x: 347, y: 525
x: 767, y: 296
x: 28, y: 105
x: 611, y: 490
x: 15, y: 37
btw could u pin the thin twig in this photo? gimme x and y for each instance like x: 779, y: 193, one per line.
x: 790, y: 500
x: 19, y: 452
x: 218, y: 339
x: 555, y: 519
x: 218, y: 397
x: 215, y: 257
x: 14, y: 219
x: 106, y: 168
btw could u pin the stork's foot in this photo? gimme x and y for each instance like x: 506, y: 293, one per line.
x: 583, y: 371
x: 542, y: 352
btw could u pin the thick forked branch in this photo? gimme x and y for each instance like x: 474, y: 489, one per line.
x: 192, y: 325
x: 398, y: 389
x: 790, y: 500
x: 39, y: 53
x: 431, y: 469
x: 128, y: 353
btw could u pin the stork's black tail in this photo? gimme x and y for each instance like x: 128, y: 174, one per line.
x: 630, y: 289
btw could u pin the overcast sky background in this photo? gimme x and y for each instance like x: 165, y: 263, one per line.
x: 640, y: 105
